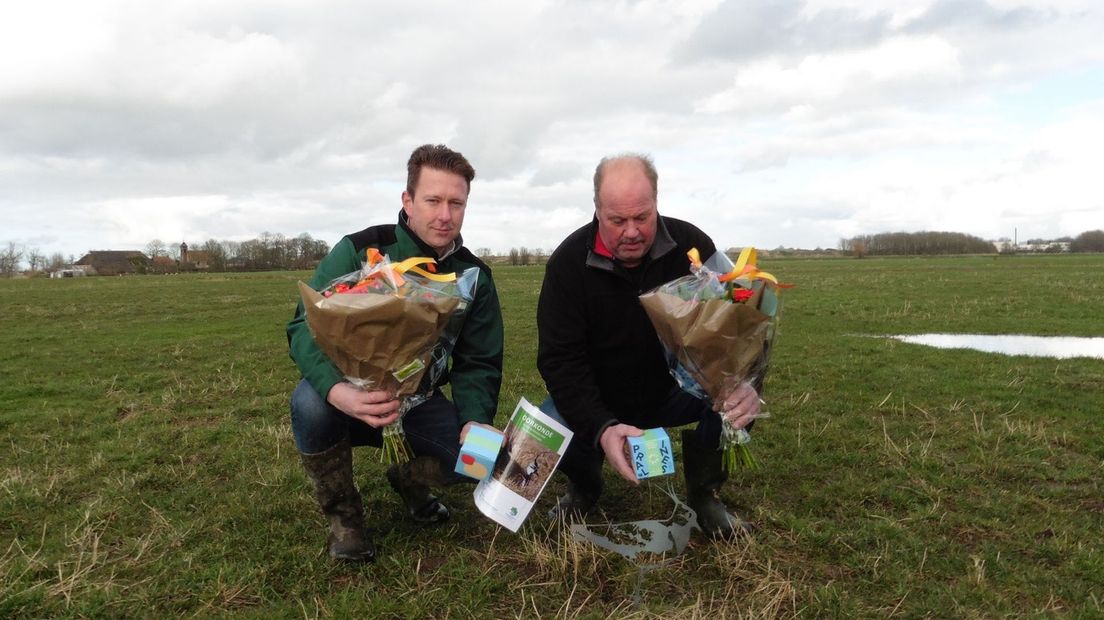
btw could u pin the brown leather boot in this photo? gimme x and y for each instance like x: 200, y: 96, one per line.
x: 331, y: 471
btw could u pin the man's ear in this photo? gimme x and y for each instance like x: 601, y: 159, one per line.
x: 407, y: 202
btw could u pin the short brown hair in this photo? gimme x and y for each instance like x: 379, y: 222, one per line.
x: 438, y: 157
x: 644, y: 160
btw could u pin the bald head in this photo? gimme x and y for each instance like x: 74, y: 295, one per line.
x: 625, y: 206
x: 626, y: 163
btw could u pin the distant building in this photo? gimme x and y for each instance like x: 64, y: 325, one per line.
x: 193, y: 260
x: 163, y: 264
x: 72, y: 271
x: 114, y: 262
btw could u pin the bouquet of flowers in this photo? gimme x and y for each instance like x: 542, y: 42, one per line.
x: 717, y: 325
x: 388, y: 326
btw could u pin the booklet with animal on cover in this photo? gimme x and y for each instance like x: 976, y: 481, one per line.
x: 532, y: 446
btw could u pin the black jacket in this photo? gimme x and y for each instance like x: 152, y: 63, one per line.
x: 598, y: 353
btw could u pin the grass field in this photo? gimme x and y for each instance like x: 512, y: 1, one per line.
x: 149, y: 469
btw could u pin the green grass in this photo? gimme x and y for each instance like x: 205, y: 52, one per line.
x: 148, y: 467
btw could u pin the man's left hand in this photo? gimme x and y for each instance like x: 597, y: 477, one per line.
x: 742, y: 406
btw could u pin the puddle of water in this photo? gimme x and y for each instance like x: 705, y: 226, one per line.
x: 1062, y: 347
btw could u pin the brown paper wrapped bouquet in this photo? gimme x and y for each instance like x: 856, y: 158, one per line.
x: 717, y: 326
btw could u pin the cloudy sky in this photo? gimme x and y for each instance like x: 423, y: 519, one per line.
x: 773, y: 123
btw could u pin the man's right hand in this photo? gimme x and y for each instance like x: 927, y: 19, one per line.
x: 376, y: 409
x: 613, y: 443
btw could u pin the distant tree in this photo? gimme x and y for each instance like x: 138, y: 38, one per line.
x: 216, y: 255
x: 9, y: 259
x: 251, y: 254
x: 514, y: 256
x: 156, y: 248
x: 173, y: 251
x: 918, y: 243
x: 36, y: 261
x: 55, y: 262
x: 524, y: 255
x: 858, y: 248
x: 484, y: 253
x: 305, y: 251
x: 274, y: 250
x: 232, y: 249
x: 1089, y: 241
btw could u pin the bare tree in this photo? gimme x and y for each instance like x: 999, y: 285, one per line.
x: 56, y: 261
x: 858, y: 248
x: 1088, y: 241
x: 35, y: 260
x: 216, y: 255
x: 156, y: 248
x: 9, y: 259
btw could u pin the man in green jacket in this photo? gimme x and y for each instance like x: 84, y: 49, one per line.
x: 330, y: 415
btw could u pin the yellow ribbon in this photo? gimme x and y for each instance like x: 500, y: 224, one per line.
x: 745, y: 266
x: 411, y: 264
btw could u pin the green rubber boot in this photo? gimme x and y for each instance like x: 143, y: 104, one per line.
x: 411, y: 480
x: 331, y: 471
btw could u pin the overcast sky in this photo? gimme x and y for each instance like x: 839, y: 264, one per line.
x: 776, y: 123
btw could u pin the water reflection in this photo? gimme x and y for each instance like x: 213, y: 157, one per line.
x: 1062, y: 347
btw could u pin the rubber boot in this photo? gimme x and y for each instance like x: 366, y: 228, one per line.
x: 705, y: 476
x: 331, y: 471
x: 583, y: 491
x: 411, y: 480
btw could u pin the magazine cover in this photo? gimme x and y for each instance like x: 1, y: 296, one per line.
x: 531, y: 449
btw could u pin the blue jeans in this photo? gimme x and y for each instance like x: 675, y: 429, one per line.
x: 582, y: 463
x: 432, y: 428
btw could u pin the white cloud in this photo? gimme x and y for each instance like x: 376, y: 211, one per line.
x: 897, y: 67
x: 184, y: 120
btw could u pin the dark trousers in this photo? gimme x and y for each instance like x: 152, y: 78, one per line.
x: 432, y: 428
x: 582, y: 463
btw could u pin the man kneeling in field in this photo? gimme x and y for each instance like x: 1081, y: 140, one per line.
x: 330, y: 415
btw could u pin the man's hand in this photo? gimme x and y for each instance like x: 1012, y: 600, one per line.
x: 464, y: 431
x: 613, y: 443
x: 376, y: 409
x: 741, y: 406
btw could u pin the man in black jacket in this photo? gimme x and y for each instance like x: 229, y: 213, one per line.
x: 599, y: 355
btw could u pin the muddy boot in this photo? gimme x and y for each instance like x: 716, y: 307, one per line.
x: 704, y: 477
x: 582, y: 494
x: 411, y: 480
x: 331, y: 471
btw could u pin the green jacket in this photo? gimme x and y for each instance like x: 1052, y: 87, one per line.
x: 476, y: 373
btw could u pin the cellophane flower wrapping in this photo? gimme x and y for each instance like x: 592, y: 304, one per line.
x: 717, y: 335
x: 391, y: 327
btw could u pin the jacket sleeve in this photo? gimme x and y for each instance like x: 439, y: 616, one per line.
x: 563, y: 355
x: 315, y: 367
x: 476, y: 373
